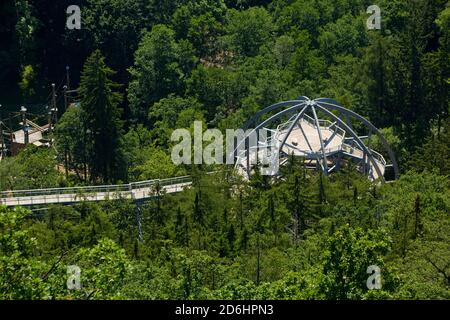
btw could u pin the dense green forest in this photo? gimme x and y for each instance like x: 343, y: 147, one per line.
x: 143, y: 68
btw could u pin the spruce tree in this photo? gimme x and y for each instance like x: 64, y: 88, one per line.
x: 101, y: 119
x: 181, y: 231
x: 197, y: 210
x: 298, y: 209
x: 418, y: 227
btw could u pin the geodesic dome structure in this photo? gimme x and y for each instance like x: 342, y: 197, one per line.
x: 321, y: 131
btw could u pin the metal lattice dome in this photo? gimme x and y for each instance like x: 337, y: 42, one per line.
x: 321, y: 131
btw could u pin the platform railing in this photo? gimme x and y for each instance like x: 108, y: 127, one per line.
x: 109, y: 189
x: 323, y: 124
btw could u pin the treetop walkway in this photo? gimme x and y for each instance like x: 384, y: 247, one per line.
x: 135, y: 190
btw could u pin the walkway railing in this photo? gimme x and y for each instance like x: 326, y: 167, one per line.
x: 323, y: 124
x: 141, y: 189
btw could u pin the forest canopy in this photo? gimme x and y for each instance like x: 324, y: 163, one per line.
x: 143, y: 68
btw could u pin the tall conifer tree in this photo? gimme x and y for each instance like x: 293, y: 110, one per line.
x: 101, y: 118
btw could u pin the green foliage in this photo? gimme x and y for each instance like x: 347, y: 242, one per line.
x: 158, y: 166
x: 342, y: 37
x: 248, y: 30
x: 302, y: 235
x: 168, y: 114
x: 203, y: 243
x: 188, y: 15
x: 103, y: 270
x: 203, y: 33
x: 160, y: 65
x: 434, y: 153
x: 71, y: 141
x: 419, y: 225
x: 349, y: 254
x: 114, y: 27
x: 27, y: 82
x: 26, y: 27
x: 20, y: 271
x: 32, y: 168
x: 217, y: 89
x: 299, y: 15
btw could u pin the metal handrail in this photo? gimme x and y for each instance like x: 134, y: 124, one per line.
x: 326, y: 124
x: 379, y: 157
x: 95, y: 189
x: 351, y: 149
